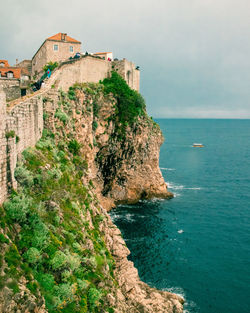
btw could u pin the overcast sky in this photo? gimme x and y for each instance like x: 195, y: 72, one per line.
x: 194, y: 55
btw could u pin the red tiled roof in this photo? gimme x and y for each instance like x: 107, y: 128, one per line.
x: 59, y: 37
x: 15, y: 70
x: 5, y: 62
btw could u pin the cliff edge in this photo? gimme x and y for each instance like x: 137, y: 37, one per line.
x: 60, y: 250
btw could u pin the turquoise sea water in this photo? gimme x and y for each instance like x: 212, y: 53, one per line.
x: 197, y: 244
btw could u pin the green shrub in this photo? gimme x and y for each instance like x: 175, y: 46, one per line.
x: 32, y: 255
x: 14, y: 286
x: 94, y: 296
x: 94, y: 125
x: 12, y: 256
x: 46, y: 281
x: 82, y: 284
x: 54, y: 173
x: 74, y: 147
x: 45, y: 116
x: 71, y: 93
x: 10, y: 134
x: 64, y: 292
x: 43, y: 144
x: 50, y: 65
x: 18, y: 207
x: 62, y: 116
x: 40, y: 233
x: 23, y: 176
x: 59, y: 260
x: 3, y: 239
x: 130, y: 104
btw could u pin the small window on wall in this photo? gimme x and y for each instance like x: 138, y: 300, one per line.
x: 55, y: 47
x: 10, y: 75
x: 71, y: 49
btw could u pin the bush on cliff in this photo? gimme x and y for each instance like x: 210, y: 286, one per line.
x: 130, y: 103
x: 50, y: 66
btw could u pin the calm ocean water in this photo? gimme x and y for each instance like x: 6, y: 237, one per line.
x: 197, y: 244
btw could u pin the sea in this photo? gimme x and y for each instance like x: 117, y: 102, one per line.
x: 198, y: 243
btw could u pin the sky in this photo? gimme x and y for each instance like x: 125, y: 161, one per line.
x: 194, y: 55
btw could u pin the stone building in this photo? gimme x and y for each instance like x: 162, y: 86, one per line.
x: 8, y: 71
x: 108, y: 56
x: 56, y: 48
x: 14, y: 80
x: 26, y: 66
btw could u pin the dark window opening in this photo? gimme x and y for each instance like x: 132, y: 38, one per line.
x: 23, y: 92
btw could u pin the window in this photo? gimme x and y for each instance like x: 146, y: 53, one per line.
x: 10, y: 75
x: 1, y: 64
x: 55, y: 47
x: 71, y: 49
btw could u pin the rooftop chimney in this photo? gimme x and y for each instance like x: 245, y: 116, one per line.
x: 63, y: 36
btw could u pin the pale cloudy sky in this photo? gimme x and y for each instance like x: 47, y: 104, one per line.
x: 194, y: 55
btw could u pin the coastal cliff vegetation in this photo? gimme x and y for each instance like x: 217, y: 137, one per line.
x: 57, y: 251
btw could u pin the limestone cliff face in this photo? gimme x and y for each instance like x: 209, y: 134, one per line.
x: 124, y: 168
x: 108, y: 164
x: 130, y: 168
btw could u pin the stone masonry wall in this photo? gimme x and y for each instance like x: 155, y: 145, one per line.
x: 128, y: 71
x: 86, y: 69
x: 11, y: 88
x: 25, y: 124
x: 91, y: 69
x: 3, y: 177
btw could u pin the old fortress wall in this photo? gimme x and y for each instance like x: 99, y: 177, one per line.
x: 20, y: 128
x: 92, y: 69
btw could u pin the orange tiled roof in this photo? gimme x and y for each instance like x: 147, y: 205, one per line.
x: 15, y: 70
x: 5, y: 62
x: 58, y: 37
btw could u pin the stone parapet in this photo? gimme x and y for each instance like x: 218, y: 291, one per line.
x: 20, y: 128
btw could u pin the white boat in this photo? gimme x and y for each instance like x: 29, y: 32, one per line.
x: 198, y: 145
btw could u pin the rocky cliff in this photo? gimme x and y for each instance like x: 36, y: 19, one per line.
x: 60, y: 250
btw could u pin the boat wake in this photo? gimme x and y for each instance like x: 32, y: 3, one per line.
x: 173, y: 186
x: 167, y: 169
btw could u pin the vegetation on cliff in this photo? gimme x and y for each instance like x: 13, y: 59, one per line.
x: 52, y: 235
x: 130, y: 103
x: 59, y: 247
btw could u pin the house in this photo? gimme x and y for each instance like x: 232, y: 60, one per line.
x: 8, y: 71
x: 15, y: 80
x: 108, y: 56
x: 59, y: 47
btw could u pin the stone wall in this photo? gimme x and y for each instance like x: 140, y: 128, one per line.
x: 85, y: 69
x: 129, y: 72
x: 92, y: 69
x: 11, y: 88
x: 20, y: 128
x: 3, y: 178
